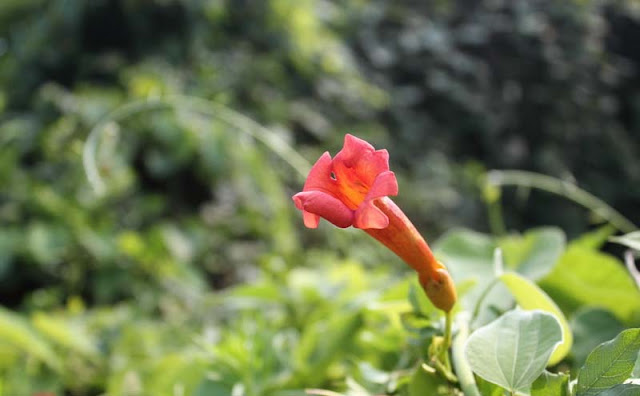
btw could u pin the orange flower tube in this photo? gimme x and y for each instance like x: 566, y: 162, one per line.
x: 352, y: 189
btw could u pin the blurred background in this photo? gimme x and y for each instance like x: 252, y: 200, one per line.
x: 189, y: 270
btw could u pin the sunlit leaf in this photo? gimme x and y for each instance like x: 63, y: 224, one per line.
x: 17, y: 332
x: 585, y: 277
x: 513, y: 350
x: 610, y: 364
x: 529, y: 296
x: 63, y: 332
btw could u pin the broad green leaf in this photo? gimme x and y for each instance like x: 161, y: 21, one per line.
x: 622, y: 390
x: 529, y: 296
x: 513, y: 350
x: 631, y: 240
x: 591, y: 327
x: 549, y: 384
x: 585, y: 277
x: 609, y: 364
x: 534, y: 253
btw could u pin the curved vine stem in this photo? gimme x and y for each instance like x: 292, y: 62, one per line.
x: 565, y: 189
x: 463, y: 371
x: 180, y: 102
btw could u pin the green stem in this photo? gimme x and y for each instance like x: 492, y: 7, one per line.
x: 209, y: 108
x: 565, y: 189
x: 496, y: 220
x: 444, y: 353
x: 463, y: 371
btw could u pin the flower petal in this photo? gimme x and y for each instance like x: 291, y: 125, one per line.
x: 369, y: 216
x: 319, y: 177
x: 324, y: 205
x: 353, y: 149
x: 310, y: 220
x: 385, y: 184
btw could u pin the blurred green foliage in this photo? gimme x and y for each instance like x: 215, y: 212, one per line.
x: 129, y: 292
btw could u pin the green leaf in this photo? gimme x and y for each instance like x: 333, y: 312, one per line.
x: 631, y: 240
x: 66, y: 333
x: 529, y: 296
x: 487, y: 388
x: 610, y: 364
x: 16, y: 331
x: 596, y: 238
x: 534, y: 253
x: 212, y: 388
x: 622, y: 390
x: 424, y: 383
x: 327, y: 340
x: 513, y: 350
x: 591, y: 327
x: 585, y: 277
x: 549, y: 384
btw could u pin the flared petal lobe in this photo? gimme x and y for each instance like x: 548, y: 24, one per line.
x: 323, y: 205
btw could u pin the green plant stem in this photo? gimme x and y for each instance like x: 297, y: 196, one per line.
x: 180, y: 102
x: 463, y: 370
x: 496, y: 220
x: 565, y: 189
x: 444, y: 352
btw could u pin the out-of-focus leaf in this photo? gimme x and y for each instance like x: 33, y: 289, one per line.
x: 513, y: 350
x: 16, y: 331
x: 424, y: 383
x: 591, y: 327
x: 610, y: 364
x: 468, y: 256
x: 534, y: 253
x: 585, y: 277
x: 325, y: 341
x: 63, y: 332
x: 594, y: 239
x: 212, y: 388
x: 549, y: 384
x: 529, y: 296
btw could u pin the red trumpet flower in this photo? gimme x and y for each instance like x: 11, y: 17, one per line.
x: 352, y: 189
